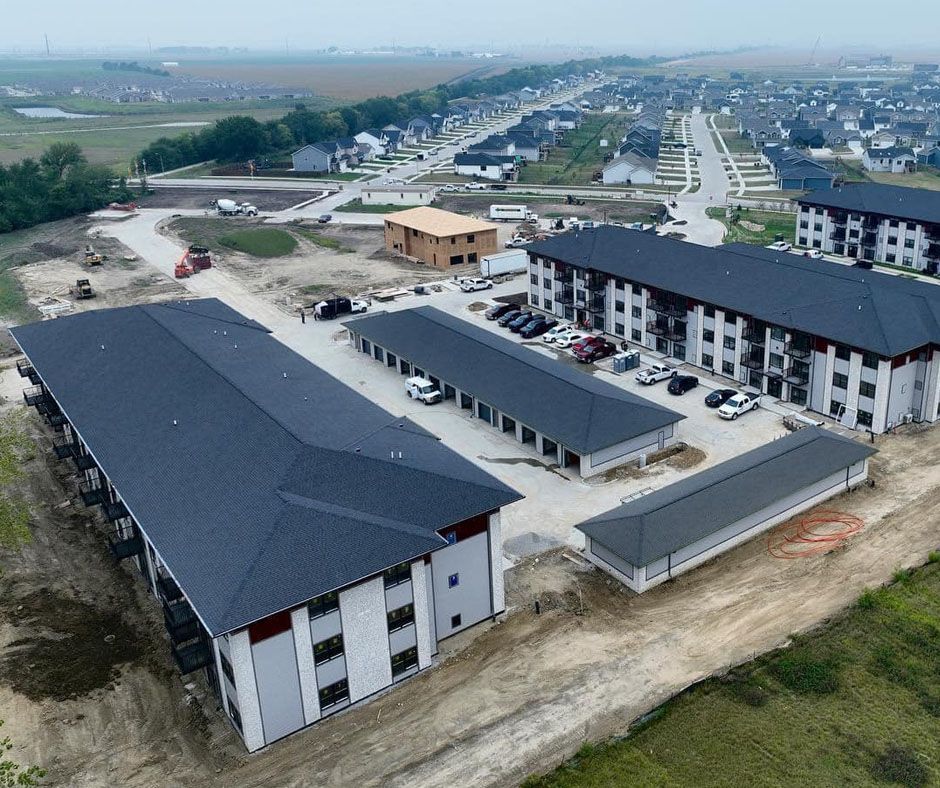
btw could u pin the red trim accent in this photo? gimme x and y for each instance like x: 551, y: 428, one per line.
x: 269, y: 627
x: 467, y: 528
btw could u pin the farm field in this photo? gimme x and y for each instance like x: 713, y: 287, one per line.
x: 346, y: 78
x: 854, y: 704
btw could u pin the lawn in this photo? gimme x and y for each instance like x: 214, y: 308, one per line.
x: 735, y: 142
x: 857, y: 703
x: 260, y: 242
x: 772, y: 223
x: 356, y: 206
x: 581, y: 156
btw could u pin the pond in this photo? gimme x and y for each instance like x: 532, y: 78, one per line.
x: 50, y: 112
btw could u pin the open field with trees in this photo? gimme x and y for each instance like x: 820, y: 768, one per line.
x: 857, y: 703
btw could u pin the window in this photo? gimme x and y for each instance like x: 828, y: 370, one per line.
x: 778, y: 334
x: 817, y: 244
x: 776, y: 360
x: 534, y: 279
x: 619, y: 306
x: 864, y: 418
x: 708, y: 335
x: 709, y: 310
x: 323, y: 604
x: 619, y: 329
x: 727, y: 368
x: 457, y: 259
x: 470, y: 239
x: 401, y: 618
x: 636, y: 335
x: 843, y: 353
x: 853, y: 233
x: 548, y: 305
x: 235, y: 714
x: 893, y: 223
x: 453, y: 240
x: 890, y: 257
x: 453, y: 580
x: 803, y: 240
x: 870, y: 360
x: 892, y: 240
x: 729, y: 343
x: 619, y: 284
x: 804, y: 224
x: 866, y: 390
x: 534, y: 299
x: 451, y: 537
x: 835, y: 407
x: 404, y: 661
x: 637, y: 289
x: 327, y: 649
x: 839, y: 380
x: 472, y: 257
x: 798, y: 396
x: 227, y: 668
x: 414, y: 233
x: 637, y: 312
x: 818, y: 227
x: 731, y: 317
x: 455, y: 621
x: 399, y: 574
x: 546, y: 283
x: 707, y: 361
x: 333, y: 694
x: 908, y: 244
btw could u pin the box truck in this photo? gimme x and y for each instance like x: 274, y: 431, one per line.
x: 515, y: 261
x: 512, y: 213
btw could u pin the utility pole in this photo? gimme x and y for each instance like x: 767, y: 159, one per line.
x: 46, y: 36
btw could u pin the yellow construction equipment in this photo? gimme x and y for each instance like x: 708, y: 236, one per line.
x: 92, y: 257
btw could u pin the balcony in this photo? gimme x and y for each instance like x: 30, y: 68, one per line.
x: 837, y: 235
x: 756, y: 335
x: 597, y: 284
x: 667, y: 308
x: 797, y: 350
x: 125, y: 542
x: 933, y: 250
x: 752, y: 360
x: 166, y: 586
x: 871, y: 223
x: 566, y: 296
x: 84, y: 462
x: 657, y: 329
x: 839, y: 218
x: 114, y: 510
x: 192, y: 656
x: 869, y: 238
x: 180, y: 618
x: 796, y: 376
x: 597, y: 304
x: 26, y: 371
x: 676, y: 334
x: 92, y: 493
x: 562, y: 275
x: 34, y: 395
x: 56, y: 419
x: 63, y: 447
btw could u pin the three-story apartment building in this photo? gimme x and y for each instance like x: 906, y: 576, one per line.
x: 860, y: 346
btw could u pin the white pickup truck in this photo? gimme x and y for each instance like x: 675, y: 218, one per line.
x: 422, y: 389
x: 738, y: 404
x: 470, y: 285
x: 655, y: 373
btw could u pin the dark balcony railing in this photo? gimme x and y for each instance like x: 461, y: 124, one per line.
x: 84, y: 462
x: 597, y: 304
x: 756, y: 335
x: 933, y: 250
x: 125, y: 542
x: 752, y: 360
x: 114, y: 510
x: 566, y: 296
x: 563, y: 275
x: 676, y: 334
x: 772, y: 374
x: 797, y: 350
x: 837, y: 235
x: 657, y: 329
x: 869, y: 238
x: 92, y: 493
x: 871, y: 222
x: 839, y: 218
x: 34, y: 395
x: 63, y: 447
x: 24, y: 368
x: 57, y: 419
x: 192, y: 656
x: 167, y: 586
x: 597, y: 284
x: 179, y: 618
x: 796, y: 376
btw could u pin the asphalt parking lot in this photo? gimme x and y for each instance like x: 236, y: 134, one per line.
x: 555, y: 499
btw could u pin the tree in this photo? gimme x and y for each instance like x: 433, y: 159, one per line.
x: 12, y: 775
x: 60, y: 156
x: 239, y: 137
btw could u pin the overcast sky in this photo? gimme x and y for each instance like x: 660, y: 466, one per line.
x: 626, y: 26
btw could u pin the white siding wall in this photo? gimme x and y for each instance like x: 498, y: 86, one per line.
x: 496, y: 563
x: 307, y: 670
x: 423, y: 615
x: 365, y: 638
x: 249, y: 707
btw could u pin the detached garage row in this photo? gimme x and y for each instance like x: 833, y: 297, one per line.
x: 645, y: 542
x: 567, y: 416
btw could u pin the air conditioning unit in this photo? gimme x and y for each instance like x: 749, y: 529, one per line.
x: 908, y: 418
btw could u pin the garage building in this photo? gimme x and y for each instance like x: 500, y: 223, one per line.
x: 647, y: 541
x: 572, y: 418
x: 439, y: 238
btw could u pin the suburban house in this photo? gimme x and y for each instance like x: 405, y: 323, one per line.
x: 632, y: 167
x: 316, y: 158
x: 655, y: 537
x: 794, y: 170
x: 577, y: 421
x: 485, y: 165
x: 309, y: 549
x: 859, y: 345
x: 375, y: 139
x: 439, y: 238
x: 875, y: 222
x: 893, y: 159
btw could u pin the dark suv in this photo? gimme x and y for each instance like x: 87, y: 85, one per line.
x: 680, y: 384
x: 496, y: 312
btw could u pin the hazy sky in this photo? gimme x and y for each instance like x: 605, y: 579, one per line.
x: 624, y: 25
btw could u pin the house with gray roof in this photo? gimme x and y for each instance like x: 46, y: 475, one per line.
x: 575, y: 420
x: 308, y: 548
x: 653, y: 538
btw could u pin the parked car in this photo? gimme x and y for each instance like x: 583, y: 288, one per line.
x: 537, y: 328
x: 719, y: 397
x: 780, y: 246
x: 516, y: 241
x: 496, y: 312
x: 815, y: 254
x: 655, y: 373
x: 680, y: 384
x: 556, y: 332
x: 471, y: 285
x: 449, y: 187
x: 422, y: 389
x: 474, y: 186
x: 324, y: 218
x: 586, y: 341
x: 595, y: 351
x: 519, y: 320
x: 738, y: 404
x: 509, y: 316
x: 570, y: 338
x: 522, y: 321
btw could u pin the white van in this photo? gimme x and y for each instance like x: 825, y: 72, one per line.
x: 422, y: 389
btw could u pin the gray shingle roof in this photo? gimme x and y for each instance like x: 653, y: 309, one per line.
x: 920, y: 205
x: 574, y: 409
x: 655, y: 525
x: 277, y: 483
x: 867, y: 310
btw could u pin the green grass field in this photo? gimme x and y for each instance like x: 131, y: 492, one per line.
x: 356, y: 206
x: 581, y: 156
x: 260, y: 242
x: 857, y: 703
x: 772, y: 222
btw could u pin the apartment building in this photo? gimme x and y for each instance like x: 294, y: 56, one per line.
x: 860, y: 346
x: 439, y: 238
x: 872, y: 221
x: 308, y: 549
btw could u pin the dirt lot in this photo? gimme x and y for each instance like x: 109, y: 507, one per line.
x: 509, y: 699
x: 263, y: 199
x: 342, y: 259
x: 616, y: 210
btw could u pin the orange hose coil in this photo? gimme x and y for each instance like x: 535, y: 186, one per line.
x: 817, y: 533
